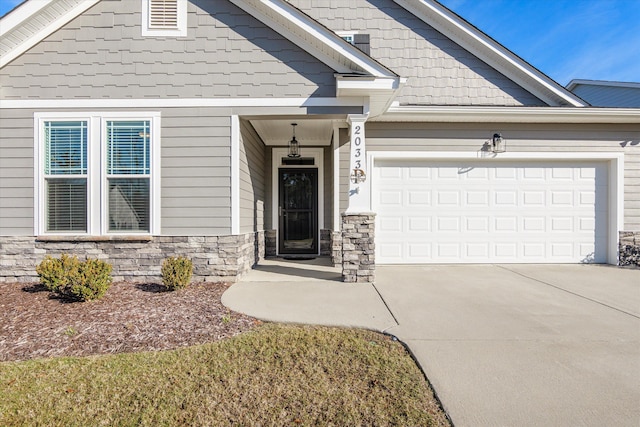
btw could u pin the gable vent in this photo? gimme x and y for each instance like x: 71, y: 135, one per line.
x: 163, y: 13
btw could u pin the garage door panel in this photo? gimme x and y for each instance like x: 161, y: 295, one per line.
x: 434, y: 212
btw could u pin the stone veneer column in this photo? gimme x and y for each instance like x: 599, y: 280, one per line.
x: 629, y: 248
x: 358, y: 247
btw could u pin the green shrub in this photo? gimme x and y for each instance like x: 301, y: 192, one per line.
x: 57, y: 273
x: 176, y: 272
x: 74, y: 279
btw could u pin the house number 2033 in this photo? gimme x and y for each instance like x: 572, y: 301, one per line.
x: 357, y: 142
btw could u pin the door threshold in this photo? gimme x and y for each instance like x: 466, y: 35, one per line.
x: 299, y: 257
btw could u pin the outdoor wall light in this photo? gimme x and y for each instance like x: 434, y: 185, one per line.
x: 294, y: 145
x: 358, y: 176
x: 498, y: 143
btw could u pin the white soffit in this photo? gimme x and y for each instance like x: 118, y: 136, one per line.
x: 32, y: 21
x: 308, y: 132
x: 492, y: 52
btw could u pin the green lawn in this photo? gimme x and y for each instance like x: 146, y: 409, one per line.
x: 274, y: 375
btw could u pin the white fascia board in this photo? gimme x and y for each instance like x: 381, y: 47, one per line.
x: 487, y: 49
x: 345, y: 83
x: 277, y: 13
x: 380, y: 91
x: 182, y: 102
x: 45, y: 31
x: 510, y: 114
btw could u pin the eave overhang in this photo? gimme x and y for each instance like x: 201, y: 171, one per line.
x: 33, y: 21
x: 463, y: 114
x: 378, y: 91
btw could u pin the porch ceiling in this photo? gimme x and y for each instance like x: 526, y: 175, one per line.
x: 308, y: 132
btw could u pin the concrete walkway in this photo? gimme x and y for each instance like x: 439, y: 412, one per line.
x: 307, y: 292
x: 503, y: 345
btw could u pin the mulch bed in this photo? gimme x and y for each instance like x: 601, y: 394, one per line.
x: 129, y: 318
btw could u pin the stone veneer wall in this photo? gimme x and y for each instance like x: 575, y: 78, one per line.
x: 629, y: 248
x: 270, y: 242
x: 215, y: 258
x: 358, y: 247
x: 336, y: 248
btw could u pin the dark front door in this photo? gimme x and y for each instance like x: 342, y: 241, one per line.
x: 298, y: 210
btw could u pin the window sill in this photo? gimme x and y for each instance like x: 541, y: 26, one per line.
x: 122, y: 238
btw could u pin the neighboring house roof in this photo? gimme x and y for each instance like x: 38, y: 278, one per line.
x: 601, y: 93
x: 357, y: 72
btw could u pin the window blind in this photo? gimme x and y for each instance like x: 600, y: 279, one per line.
x: 66, y: 204
x: 128, y: 170
x: 65, y: 164
x: 128, y: 147
x: 65, y: 148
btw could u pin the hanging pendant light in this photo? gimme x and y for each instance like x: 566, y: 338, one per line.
x: 294, y: 145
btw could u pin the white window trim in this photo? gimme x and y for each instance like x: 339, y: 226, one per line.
x: 96, y: 176
x: 180, y: 31
x: 348, y: 34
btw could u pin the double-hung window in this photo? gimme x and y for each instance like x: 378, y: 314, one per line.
x: 98, y: 174
x: 65, y: 175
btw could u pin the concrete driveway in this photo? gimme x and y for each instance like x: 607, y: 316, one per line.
x: 523, y: 345
x: 503, y: 345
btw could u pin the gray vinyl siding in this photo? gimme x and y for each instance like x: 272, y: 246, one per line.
x: 16, y: 173
x: 469, y: 137
x: 195, y: 171
x: 227, y: 53
x: 439, y: 71
x: 252, y: 184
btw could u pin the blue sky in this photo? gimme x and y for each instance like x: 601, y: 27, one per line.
x: 565, y: 39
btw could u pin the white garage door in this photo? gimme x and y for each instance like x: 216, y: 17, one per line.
x: 490, y: 211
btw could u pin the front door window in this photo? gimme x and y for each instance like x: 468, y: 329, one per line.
x: 298, y: 232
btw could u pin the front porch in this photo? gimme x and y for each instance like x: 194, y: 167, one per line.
x: 304, y: 197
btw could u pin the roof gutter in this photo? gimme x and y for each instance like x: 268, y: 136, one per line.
x: 460, y: 114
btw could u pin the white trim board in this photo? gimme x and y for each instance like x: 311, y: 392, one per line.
x: 235, y: 174
x: 276, y: 163
x: 469, y: 114
x: 616, y: 177
x: 183, y: 102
